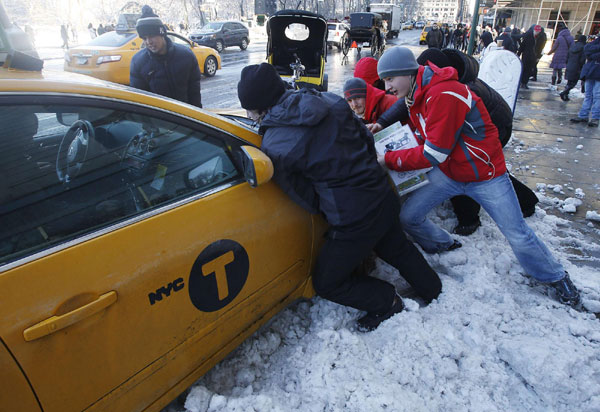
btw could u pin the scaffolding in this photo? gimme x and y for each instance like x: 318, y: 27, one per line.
x: 583, y: 22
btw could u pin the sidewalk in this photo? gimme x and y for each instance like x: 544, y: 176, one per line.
x: 558, y: 159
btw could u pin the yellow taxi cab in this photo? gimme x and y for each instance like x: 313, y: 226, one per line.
x: 141, y: 241
x: 426, y: 29
x: 109, y: 55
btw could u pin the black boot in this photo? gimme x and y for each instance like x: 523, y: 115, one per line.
x: 566, y: 292
x: 553, y: 80
x: 371, y: 321
x: 467, y: 229
x: 564, y: 96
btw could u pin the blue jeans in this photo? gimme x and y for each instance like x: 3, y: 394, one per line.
x: 592, y: 100
x: 499, y: 200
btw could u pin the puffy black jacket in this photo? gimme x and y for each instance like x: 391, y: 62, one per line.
x: 575, y: 61
x: 467, y: 68
x: 507, y: 42
x: 174, y: 75
x: 324, y: 157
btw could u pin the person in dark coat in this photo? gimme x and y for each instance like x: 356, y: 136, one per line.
x: 590, y: 72
x: 164, y: 67
x: 324, y: 158
x: 527, y: 53
x: 507, y: 42
x: 560, y: 49
x: 516, y: 37
x: 435, y: 37
x: 540, y: 43
x: 575, y: 61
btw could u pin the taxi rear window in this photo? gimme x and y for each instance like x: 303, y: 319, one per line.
x: 331, y: 27
x: 112, y: 39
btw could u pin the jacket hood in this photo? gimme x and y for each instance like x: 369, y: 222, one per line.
x: 565, y: 34
x: 374, y: 95
x: 466, y: 66
x: 429, y: 76
x: 296, y: 108
x: 366, y: 69
x: 576, y: 48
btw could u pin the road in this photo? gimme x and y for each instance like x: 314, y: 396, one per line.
x: 220, y: 91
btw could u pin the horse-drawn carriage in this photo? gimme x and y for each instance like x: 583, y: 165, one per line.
x: 366, y: 29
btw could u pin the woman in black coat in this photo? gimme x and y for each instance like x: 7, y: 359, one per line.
x: 575, y: 61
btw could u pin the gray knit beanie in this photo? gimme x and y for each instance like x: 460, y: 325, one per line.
x: 397, y: 61
x: 355, y: 87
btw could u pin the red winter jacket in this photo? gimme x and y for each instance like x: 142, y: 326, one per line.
x: 456, y: 132
x: 376, y: 103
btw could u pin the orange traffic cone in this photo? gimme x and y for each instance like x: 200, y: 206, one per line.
x: 354, y: 46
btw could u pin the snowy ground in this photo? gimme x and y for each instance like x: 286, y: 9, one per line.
x: 493, y: 341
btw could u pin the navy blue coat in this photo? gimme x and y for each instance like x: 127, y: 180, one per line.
x: 591, y: 70
x: 507, y: 42
x: 575, y: 61
x: 324, y: 158
x: 174, y: 75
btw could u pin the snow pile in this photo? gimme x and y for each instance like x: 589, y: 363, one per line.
x: 569, y: 205
x: 493, y: 341
x: 592, y: 215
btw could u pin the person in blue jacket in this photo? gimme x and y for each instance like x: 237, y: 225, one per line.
x: 590, y: 73
x: 164, y: 67
x: 324, y: 159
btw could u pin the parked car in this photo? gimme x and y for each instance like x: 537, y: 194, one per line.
x: 335, y: 31
x: 419, y: 25
x: 109, y: 55
x: 141, y: 242
x: 221, y: 34
x: 407, y: 25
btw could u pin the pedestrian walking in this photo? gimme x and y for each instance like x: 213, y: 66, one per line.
x: 459, y: 141
x: 527, y: 53
x: 434, y: 38
x: 324, y: 158
x: 507, y: 42
x: 560, y: 49
x: 540, y: 43
x: 575, y: 61
x: 164, y: 67
x: 92, y: 31
x: 590, y: 73
x: 64, y: 34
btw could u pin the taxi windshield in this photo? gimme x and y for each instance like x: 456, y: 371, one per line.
x: 112, y: 39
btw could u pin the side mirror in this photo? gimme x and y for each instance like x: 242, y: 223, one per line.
x: 258, y: 168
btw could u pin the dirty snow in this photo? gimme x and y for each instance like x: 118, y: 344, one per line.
x: 493, y: 341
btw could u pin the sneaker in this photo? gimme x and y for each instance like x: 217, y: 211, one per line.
x: 593, y: 123
x: 566, y: 292
x: 371, y: 321
x: 564, y: 97
x: 466, y: 230
x: 578, y: 120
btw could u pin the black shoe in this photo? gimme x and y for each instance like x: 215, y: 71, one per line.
x: 466, y: 230
x: 578, y: 120
x: 566, y: 292
x: 454, y: 245
x: 524, y: 86
x: 533, y: 79
x: 564, y: 97
x: 593, y: 123
x: 559, y: 81
x: 371, y: 321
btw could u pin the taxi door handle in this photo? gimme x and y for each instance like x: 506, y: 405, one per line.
x: 56, y: 323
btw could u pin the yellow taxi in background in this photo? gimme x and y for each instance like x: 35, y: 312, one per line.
x: 426, y: 29
x: 141, y: 241
x: 108, y: 56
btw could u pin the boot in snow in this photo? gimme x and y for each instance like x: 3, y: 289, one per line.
x: 566, y: 292
x: 371, y: 321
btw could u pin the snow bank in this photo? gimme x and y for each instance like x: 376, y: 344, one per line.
x: 493, y: 341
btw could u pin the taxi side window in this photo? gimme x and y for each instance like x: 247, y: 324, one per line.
x: 68, y: 172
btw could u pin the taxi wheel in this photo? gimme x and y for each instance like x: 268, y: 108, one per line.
x: 244, y: 44
x: 219, y: 46
x: 210, y: 66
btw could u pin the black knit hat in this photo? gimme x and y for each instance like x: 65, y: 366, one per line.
x: 260, y: 87
x: 149, y: 24
x: 435, y: 56
x: 355, y: 87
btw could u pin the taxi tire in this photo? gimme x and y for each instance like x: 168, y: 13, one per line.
x: 210, y: 66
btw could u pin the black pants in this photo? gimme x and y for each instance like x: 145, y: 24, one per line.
x: 570, y: 85
x: 527, y: 71
x: 344, y: 250
x: 467, y: 210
